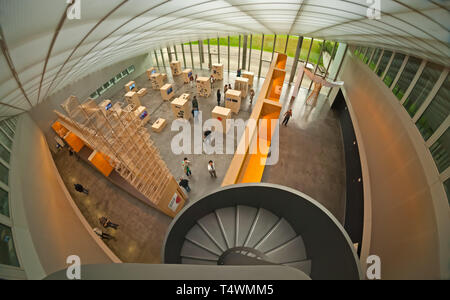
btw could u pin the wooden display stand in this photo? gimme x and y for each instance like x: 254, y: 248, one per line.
x: 217, y: 71
x: 125, y: 145
x: 167, y: 92
x: 250, y: 76
x: 175, y: 66
x: 180, y: 109
x: 241, y: 84
x: 100, y: 161
x: 150, y: 72
x: 143, y: 114
x: 233, y: 100
x: 105, y: 106
x: 142, y: 92
x: 132, y: 99
x: 203, y: 86
x: 186, y: 75
x: 131, y: 87
x: 186, y: 96
x: 157, y: 81
x: 159, y: 125
x: 222, y: 114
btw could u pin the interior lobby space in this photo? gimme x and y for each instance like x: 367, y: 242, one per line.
x: 224, y: 140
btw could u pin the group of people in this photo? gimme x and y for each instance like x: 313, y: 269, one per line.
x: 106, y: 223
x: 186, y: 164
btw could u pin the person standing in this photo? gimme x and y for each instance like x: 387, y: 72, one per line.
x: 186, y: 166
x: 212, y: 169
x: 287, y: 116
x: 229, y: 86
x: 101, y: 234
x: 239, y: 73
x: 219, y: 96
x: 252, y: 95
x: 191, y: 79
x: 207, y: 136
x: 107, y: 223
x: 81, y: 189
x: 211, y: 79
x: 195, y: 103
x: 185, y: 184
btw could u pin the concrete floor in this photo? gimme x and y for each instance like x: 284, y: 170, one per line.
x: 200, y: 182
x: 311, y: 157
x: 313, y: 163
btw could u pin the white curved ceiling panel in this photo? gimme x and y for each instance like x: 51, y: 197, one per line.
x: 114, y: 30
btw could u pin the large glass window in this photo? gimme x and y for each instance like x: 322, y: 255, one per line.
x: 4, y: 202
x: 384, y: 62
x: 422, y: 88
x: 375, y: 58
x: 4, y: 174
x: 8, y: 131
x: 407, y: 76
x: 4, y: 153
x: 5, y: 139
x: 447, y: 189
x: 436, y: 113
x: 441, y: 151
x: 8, y: 254
x: 393, y: 69
x: 11, y: 124
x: 368, y: 54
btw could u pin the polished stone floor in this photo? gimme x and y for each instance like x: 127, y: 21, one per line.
x: 311, y: 154
x: 311, y: 161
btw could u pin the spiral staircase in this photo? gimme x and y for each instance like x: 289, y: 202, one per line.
x: 262, y: 224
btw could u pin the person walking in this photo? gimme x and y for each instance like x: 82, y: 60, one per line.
x: 207, y: 136
x: 212, y: 169
x: 211, y: 79
x: 219, y: 96
x: 102, y: 235
x: 252, y: 95
x: 106, y: 223
x: 185, y: 184
x: 229, y: 86
x: 186, y: 166
x: 81, y: 189
x: 287, y: 116
x: 225, y: 89
x: 191, y: 79
x: 239, y: 73
x: 195, y: 102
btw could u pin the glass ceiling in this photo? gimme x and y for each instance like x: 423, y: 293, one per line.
x: 43, y: 50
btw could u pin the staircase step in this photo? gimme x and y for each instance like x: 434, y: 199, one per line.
x: 264, y: 222
x: 292, y: 251
x: 245, y: 217
x: 191, y: 250
x: 279, y: 235
x: 227, y: 217
x: 197, y: 236
x: 210, y: 225
x: 304, y: 266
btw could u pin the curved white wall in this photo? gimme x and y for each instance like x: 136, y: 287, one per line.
x: 406, y: 214
x: 47, y: 225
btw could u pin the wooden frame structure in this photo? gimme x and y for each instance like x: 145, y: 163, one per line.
x: 119, y: 135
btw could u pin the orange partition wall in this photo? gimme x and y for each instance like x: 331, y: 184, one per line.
x: 60, y: 130
x: 248, y: 165
x: 100, y: 161
x: 74, y: 142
